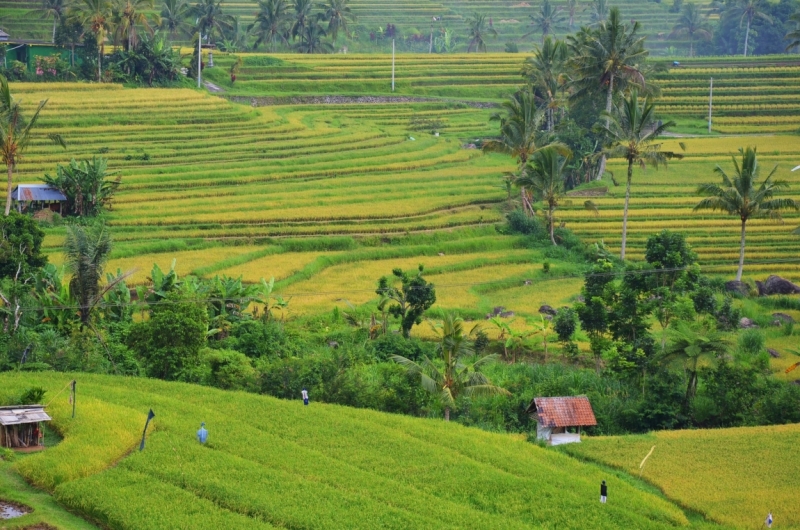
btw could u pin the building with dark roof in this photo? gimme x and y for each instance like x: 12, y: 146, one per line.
x: 557, y: 416
x: 34, y: 197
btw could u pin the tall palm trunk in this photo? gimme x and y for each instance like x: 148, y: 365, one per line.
x: 552, y: 223
x: 625, y: 211
x: 691, y: 48
x: 447, y: 414
x: 54, y: 30
x: 746, y: 37
x: 430, y: 46
x: 10, y: 184
x: 99, y: 62
x: 741, y: 252
x: 609, y: 102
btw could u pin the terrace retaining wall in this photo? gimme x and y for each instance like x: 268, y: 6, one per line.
x: 267, y: 101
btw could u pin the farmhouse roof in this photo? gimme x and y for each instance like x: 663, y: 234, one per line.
x: 563, y: 411
x: 20, y: 414
x: 3, y: 36
x: 36, y: 192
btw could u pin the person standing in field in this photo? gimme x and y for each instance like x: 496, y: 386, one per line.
x: 202, y: 433
x: 768, y: 522
x: 305, y: 396
x: 603, y: 492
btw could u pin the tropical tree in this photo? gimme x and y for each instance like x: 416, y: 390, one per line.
x: 794, y: 36
x: 234, y: 39
x: 55, y: 9
x: 691, y: 343
x: 546, y: 72
x: 174, y: 17
x: 86, y: 252
x: 544, y: 176
x: 572, y: 8
x: 311, y: 40
x: 692, y: 24
x: 743, y: 196
x: 608, y: 58
x: 408, y: 302
x: 303, y: 17
x: 87, y: 185
x: 478, y: 32
x: 211, y: 20
x: 336, y: 13
x: 747, y: 11
x: 16, y: 133
x: 598, y: 12
x: 128, y: 14
x: 450, y: 376
x: 271, y: 24
x: 96, y: 16
x: 632, y: 131
x: 547, y: 20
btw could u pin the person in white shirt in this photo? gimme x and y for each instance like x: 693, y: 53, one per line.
x: 305, y: 396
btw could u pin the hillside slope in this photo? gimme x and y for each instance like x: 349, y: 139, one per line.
x: 276, y: 464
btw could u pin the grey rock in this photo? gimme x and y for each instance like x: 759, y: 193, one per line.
x: 746, y: 323
x: 737, y: 287
x: 333, y: 344
x: 506, y: 314
x: 776, y: 285
x: 497, y: 310
x: 773, y: 353
x: 783, y: 317
x: 547, y: 310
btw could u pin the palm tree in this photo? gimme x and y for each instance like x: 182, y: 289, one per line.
x: 691, y: 24
x: 86, y: 251
x: 545, y: 71
x: 211, y: 19
x: 572, y: 7
x: 174, y: 17
x: 16, y: 133
x: 598, y: 12
x: 271, y: 23
x: 128, y: 14
x: 311, y: 40
x: 478, y: 33
x: 691, y: 343
x: 451, y: 377
x: 96, y: 16
x: 632, y: 130
x: 55, y: 9
x: 302, y: 17
x: 749, y: 10
x: 794, y: 35
x: 609, y: 58
x: 547, y: 20
x: 544, y: 175
x: 337, y: 13
x: 742, y: 195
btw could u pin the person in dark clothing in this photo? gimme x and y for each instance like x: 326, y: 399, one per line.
x: 603, y: 492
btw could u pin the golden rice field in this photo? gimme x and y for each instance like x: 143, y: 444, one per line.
x: 732, y: 476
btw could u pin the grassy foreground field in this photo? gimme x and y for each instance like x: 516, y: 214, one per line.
x: 734, y: 476
x: 277, y: 464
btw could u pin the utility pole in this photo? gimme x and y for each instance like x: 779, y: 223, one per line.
x: 710, y: 103
x: 392, y: 65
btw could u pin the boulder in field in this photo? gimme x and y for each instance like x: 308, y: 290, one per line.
x: 746, y: 323
x: 735, y: 286
x: 547, y: 310
x: 776, y: 285
x: 783, y: 317
x: 773, y: 353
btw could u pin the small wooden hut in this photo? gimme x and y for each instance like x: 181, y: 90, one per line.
x: 35, y: 197
x: 22, y: 427
x: 557, y: 416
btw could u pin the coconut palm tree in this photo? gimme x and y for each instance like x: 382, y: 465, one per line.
x: 16, y: 134
x: 55, y: 9
x: 271, y: 23
x: 545, y: 71
x: 608, y: 58
x: 311, y: 40
x: 544, y: 176
x: 691, y: 24
x: 691, y: 343
x: 174, y: 17
x: 211, y: 20
x: 547, y: 20
x: 96, y: 17
x: 598, y: 12
x: 337, y: 13
x: 303, y: 17
x: 478, y: 33
x: 742, y: 195
x: 128, y: 14
x: 747, y: 11
x: 450, y: 376
x: 632, y: 131
x: 794, y: 35
x: 572, y: 8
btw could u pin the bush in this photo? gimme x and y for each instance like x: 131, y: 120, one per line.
x: 565, y: 323
x: 393, y: 344
x: 752, y: 342
x: 520, y: 223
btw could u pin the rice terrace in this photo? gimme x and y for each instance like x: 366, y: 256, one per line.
x: 418, y: 264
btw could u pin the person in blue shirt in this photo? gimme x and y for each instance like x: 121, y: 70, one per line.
x: 768, y: 522
x: 202, y: 434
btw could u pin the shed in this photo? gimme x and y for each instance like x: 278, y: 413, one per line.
x: 21, y: 427
x: 556, y: 416
x: 33, y: 197
x: 3, y: 36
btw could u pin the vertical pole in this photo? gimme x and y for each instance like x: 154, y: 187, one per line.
x: 430, y: 47
x: 199, y: 55
x: 73, y: 397
x: 392, y: 65
x: 710, y: 103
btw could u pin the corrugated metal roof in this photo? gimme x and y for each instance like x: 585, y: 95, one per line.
x: 563, y: 411
x: 21, y: 414
x: 36, y: 192
x: 3, y: 35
